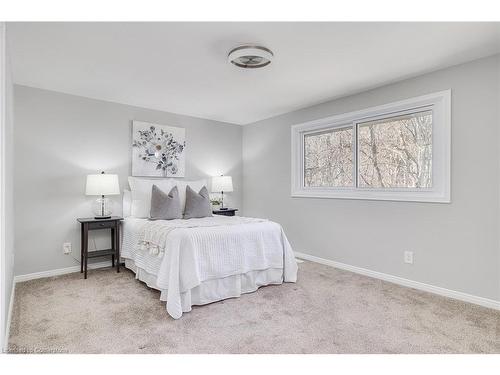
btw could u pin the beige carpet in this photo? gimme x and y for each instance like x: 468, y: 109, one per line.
x: 327, y: 311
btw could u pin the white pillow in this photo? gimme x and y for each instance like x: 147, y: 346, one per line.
x: 141, y: 194
x: 181, y: 186
x: 127, y: 203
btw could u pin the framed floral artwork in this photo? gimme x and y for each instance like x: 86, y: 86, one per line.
x: 158, y: 150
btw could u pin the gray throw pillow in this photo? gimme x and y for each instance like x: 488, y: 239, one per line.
x: 197, y: 204
x: 165, y: 206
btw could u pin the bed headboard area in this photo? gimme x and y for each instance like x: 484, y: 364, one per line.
x: 127, y: 203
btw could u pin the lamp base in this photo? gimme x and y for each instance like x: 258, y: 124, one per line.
x: 102, y: 208
x: 223, y: 208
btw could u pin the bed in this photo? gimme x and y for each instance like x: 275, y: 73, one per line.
x: 204, y: 260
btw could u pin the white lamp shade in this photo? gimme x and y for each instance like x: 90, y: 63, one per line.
x: 222, y: 183
x: 102, y: 184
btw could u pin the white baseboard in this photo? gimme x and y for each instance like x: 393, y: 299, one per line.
x: 490, y: 303
x: 57, y: 272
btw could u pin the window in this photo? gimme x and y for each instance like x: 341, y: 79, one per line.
x: 399, y: 151
x: 328, y: 158
x: 396, y: 152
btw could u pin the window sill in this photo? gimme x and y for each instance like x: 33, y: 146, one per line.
x: 378, y: 195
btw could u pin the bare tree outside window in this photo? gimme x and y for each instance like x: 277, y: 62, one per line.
x: 329, y: 158
x: 396, y: 152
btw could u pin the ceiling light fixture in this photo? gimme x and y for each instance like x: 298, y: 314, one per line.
x: 250, y: 56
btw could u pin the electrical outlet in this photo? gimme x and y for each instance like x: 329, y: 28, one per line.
x: 408, y: 257
x: 67, y: 247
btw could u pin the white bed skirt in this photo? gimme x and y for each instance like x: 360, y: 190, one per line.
x: 216, y: 289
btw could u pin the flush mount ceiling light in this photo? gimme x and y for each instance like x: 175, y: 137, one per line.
x: 250, y: 56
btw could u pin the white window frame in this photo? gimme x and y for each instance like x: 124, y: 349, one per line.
x: 438, y: 102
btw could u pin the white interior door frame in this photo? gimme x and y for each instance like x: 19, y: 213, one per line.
x: 3, y: 291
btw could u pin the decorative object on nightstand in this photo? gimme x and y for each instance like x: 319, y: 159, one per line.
x: 102, y: 184
x: 221, y: 184
x: 225, y: 211
x: 215, y: 203
x: 88, y: 224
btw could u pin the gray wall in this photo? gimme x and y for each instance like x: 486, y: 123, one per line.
x: 7, y: 272
x: 455, y: 245
x: 61, y: 138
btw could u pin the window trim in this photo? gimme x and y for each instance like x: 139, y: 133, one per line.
x: 440, y: 104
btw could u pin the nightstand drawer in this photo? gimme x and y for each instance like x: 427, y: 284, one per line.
x: 103, y: 225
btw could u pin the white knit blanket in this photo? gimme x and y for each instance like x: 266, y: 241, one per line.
x: 153, y: 234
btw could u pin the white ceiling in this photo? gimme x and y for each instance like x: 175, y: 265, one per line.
x: 182, y: 67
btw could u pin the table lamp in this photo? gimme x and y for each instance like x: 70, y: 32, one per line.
x: 102, y: 184
x: 221, y: 184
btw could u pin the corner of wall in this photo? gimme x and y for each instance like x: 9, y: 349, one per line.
x: 6, y: 186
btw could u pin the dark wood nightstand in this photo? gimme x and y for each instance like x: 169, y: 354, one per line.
x: 228, y: 212
x: 90, y: 223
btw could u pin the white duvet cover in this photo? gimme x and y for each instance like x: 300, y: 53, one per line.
x: 179, y: 256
